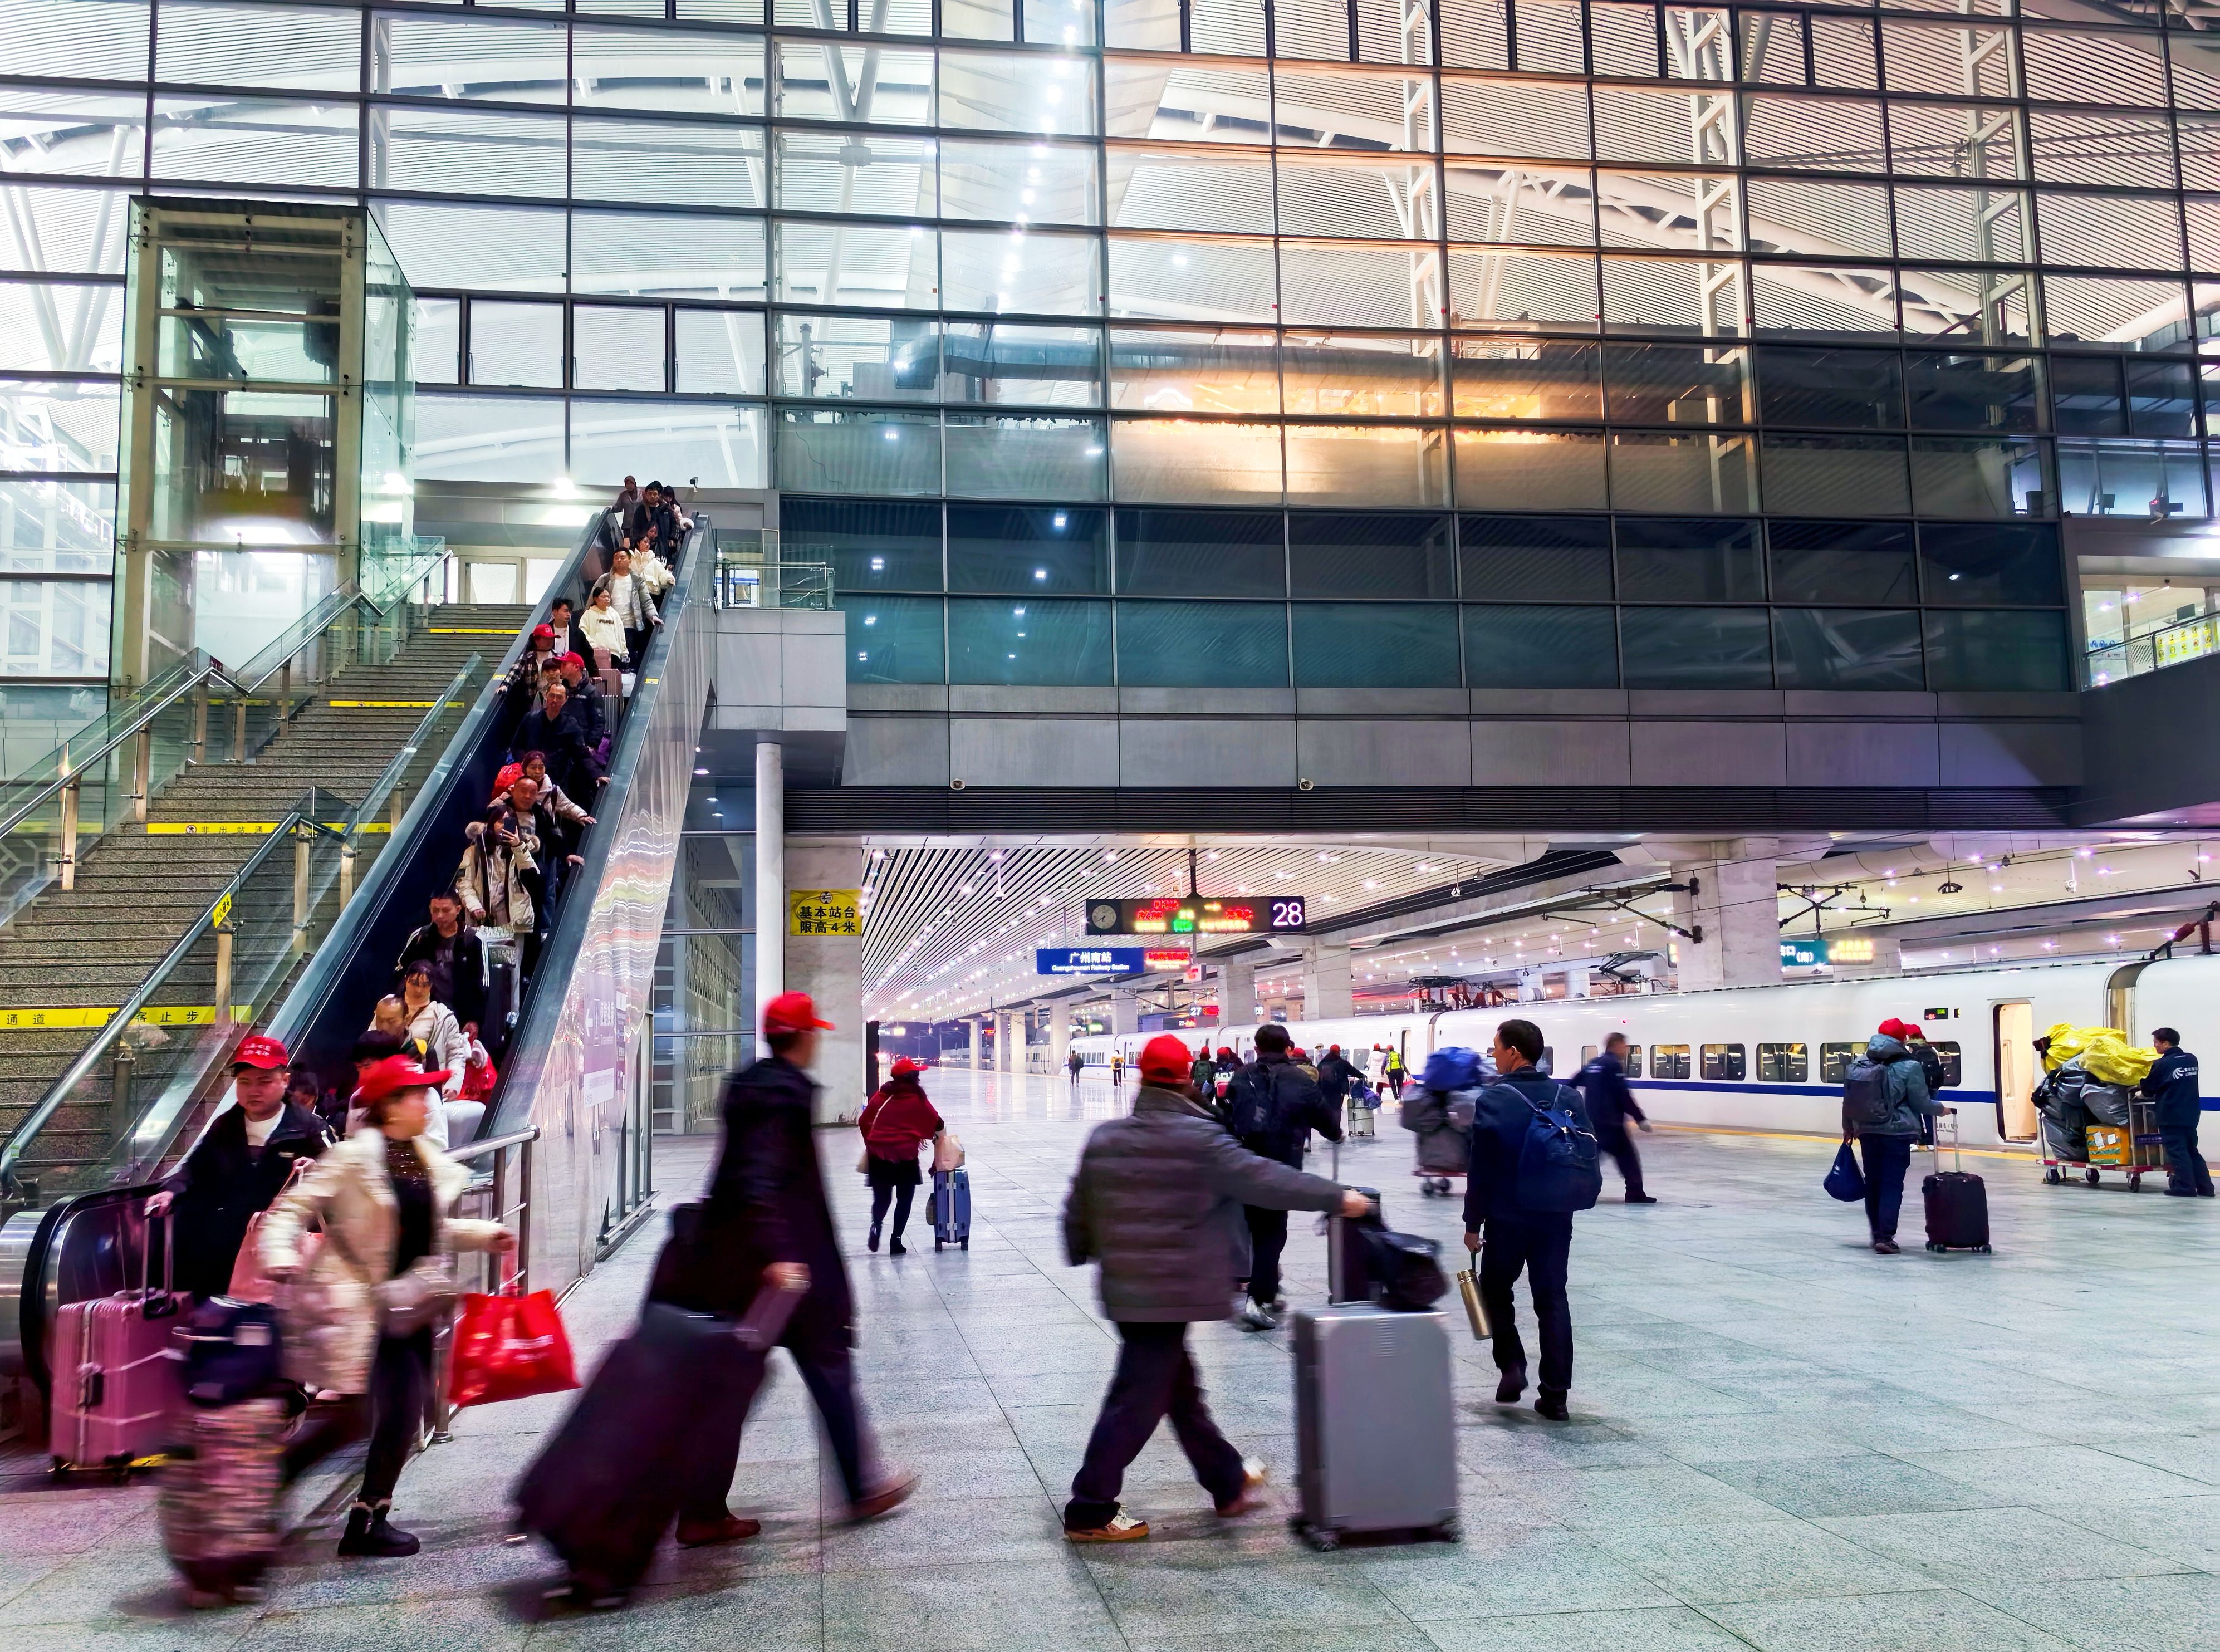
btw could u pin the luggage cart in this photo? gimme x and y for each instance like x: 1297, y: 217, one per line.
x: 2146, y: 1152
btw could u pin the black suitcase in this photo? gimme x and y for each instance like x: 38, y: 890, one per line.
x: 1957, y: 1203
x: 673, y: 1394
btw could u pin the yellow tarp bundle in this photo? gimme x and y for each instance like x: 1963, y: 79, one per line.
x: 2103, y: 1052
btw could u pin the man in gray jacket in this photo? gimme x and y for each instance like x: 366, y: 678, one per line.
x: 1885, y: 1100
x: 1157, y: 1202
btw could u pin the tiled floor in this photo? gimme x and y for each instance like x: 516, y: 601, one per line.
x: 1779, y: 1441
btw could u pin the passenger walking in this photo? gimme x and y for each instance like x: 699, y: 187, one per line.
x: 1156, y: 1202
x: 1519, y: 1199
x: 241, y: 1161
x: 1334, y: 1072
x: 1077, y: 1063
x: 1397, y: 1073
x: 359, y: 1321
x: 895, y: 1122
x: 1272, y: 1107
x: 1885, y: 1107
x: 1610, y: 1104
x: 1202, y: 1073
x: 2172, y: 1083
x: 1117, y: 1068
x: 766, y: 1223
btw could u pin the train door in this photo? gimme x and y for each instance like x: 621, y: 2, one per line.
x: 2120, y: 998
x: 2018, y: 1069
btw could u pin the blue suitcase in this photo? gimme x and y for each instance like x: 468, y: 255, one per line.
x: 951, y: 1208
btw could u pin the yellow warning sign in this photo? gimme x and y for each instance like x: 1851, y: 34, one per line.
x: 244, y: 828
x: 154, y: 1015
x: 385, y: 705
x: 221, y: 914
x: 470, y: 631
x: 823, y: 911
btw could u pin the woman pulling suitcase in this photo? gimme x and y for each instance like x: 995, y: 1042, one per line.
x: 895, y: 1122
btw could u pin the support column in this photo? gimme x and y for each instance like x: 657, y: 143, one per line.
x: 830, y: 968
x: 1576, y: 982
x: 1124, y: 1012
x: 1059, y: 1035
x: 973, y: 1021
x: 1532, y: 987
x: 1737, y: 904
x: 1236, y: 992
x: 770, y: 880
x: 1326, y: 993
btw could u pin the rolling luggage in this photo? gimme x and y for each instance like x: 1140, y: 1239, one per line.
x: 1957, y: 1203
x: 672, y: 1395
x: 1376, y: 1437
x: 116, y: 1388
x: 951, y: 1208
x: 220, y: 1498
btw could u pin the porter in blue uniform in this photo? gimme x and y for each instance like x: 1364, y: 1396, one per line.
x: 2172, y: 1083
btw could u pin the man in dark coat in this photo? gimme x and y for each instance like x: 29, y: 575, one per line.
x: 766, y: 1222
x: 558, y: 733
x: 2172, y: 1083
x: 1272, y: 1105
x: 1156, y: 1201
x: 240, y: 1164
x: 1610, y: 1104
x: 457, y: 961
x: 1334, y: 1072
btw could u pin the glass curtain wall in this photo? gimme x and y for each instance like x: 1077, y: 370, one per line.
x: 1599, y: 265
x: 704, y: 1002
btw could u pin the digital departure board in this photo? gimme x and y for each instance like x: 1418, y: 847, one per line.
x: 1108, y: 960
x: 1200, y: 915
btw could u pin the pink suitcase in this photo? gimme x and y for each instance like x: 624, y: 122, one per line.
x: 117, y: 1389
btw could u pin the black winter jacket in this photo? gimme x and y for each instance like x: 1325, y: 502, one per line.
x: 1295, y: 1108
x: 223, y: 1184
x: 1609, y: 1097
x: 466, y: 991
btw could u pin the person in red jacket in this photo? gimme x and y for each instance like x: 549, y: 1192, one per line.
x: 895, y: 1122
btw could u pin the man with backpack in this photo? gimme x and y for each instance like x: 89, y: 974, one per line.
x: 1534, y: 1163
x: 1885, y: 1107
x: 1334, y: 1072
x: 1272, y: 1106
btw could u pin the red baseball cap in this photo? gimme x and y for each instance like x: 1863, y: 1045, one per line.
x: 1164, y: 1056
x: 262, y: 1052
x: 394, y: 1074
x: 904, y: 1067
x: 792, y: 1012
x: 543, y: 633
x: 573, y: 659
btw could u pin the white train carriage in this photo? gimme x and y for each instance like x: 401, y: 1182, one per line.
x: 1772, y: 1057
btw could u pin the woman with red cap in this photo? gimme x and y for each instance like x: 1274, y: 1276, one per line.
x: 359, y: 1319
x: 896, y: 1121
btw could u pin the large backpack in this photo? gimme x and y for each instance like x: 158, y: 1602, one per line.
x: 1864, y: 1092
x: 1251, y: 1109
x: 1559, y: 1167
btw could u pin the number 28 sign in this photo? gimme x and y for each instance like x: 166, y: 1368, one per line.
x: 1189, y: 915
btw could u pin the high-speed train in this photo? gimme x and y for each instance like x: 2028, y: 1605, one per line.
x: 1772, y: 1057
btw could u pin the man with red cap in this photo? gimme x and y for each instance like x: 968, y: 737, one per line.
x: 241, y: 1162
x: 766, y: 1223
x: 1157, y: 1202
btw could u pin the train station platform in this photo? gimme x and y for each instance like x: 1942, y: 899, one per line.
x: 1779, y: 1440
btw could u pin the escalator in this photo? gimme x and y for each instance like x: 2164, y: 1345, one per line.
x: 300, y: 937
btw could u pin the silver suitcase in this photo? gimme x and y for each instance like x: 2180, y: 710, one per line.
x: 1375, y: 1427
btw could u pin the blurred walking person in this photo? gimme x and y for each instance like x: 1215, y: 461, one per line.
x: 895, y: 1122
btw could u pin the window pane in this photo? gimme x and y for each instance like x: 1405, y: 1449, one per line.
x: 2160, y: 398
x: 1044, y: 640
x: 1696, y: 648
x: 516, y: 344
x: 1842, y: 562
x: 2085, y: 396
x: 660, y: 255
x: 466, y: 151
x: 1836, y: 473
x: 1334, y: 554
x: 871, y: 547
x: 827, y: 82
x: 720, y: 446
x: 1996, y: 651
x: 1368, y: 465
x: 58, y: 426
x: 1202, y: 645
x: 1541, y: 648
x: 1219, y: 371
x: 1201, y: 553
x: 1363, y: 376
x: 1967, y: 476
x: 1525, y: 292
x: 1052, y: 550
x: 504, y: 249
x: 1531, y: 470
x: 890, y: 268
x: 1535, y: 558
x: 1376, y: 646
x: 435, y: 347
x: 1847, y: 648
x: 97, y: 39
x: 56, y: 528
x: 1189, y: 461
x: 473, y: 60
x: 246, y: 46
x: 1025, y: 459
x: 1020, y: 274
x: 1952, y: 392
x: 1972, y: 565
x: 1000, y: 91
x: 1524, y: 378
x: 699, y: 164
x: 721, y: 350
x: 866, y: 358
x: 1185, y: 187
x: 1025, y: 366
x: 617, y: 349
x: 1228, y: 280
x: 1855, y: 390
x: 666, y: 71
x: 1677, y: 384
x: 245, y: 141
x: 489, y: 439
x: 1689, y: 560
x: 1672, y: 472
x: 894, y: 639
x: 828, y: 452
x: 54, y: 628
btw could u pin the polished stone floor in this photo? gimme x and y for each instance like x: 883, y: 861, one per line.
x: 1779, y: 1440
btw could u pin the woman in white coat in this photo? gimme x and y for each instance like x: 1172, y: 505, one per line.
x: 359, y: 1308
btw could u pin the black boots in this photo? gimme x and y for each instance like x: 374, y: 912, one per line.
x: 369, y: 1533
x: 1551, y: 1403
x: 872, y: 1243
x: 1512, y: 1385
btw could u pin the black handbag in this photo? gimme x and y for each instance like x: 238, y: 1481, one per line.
x: 1405, y: 1270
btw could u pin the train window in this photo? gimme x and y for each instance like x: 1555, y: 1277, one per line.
x: 1783, y: 1063
x: 1725, y: 1061
x: 1669, y: 1061
x: 1634, y: 1061
x: 1835, y: 1061
x: 1950, y: 1062
x: 1587, y: 1054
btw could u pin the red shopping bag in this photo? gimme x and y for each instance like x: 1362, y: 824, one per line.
x: 509, y: 1347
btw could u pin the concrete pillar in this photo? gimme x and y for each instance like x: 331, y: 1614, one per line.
x: 1236, y: 992
x: 1059, y: 1035
x: 1530, y: 988
x: 1011, y: 1057
x: 830, y: 968
x: 1124, y: 1012
x: 1737, y: 905
x: 1576, y: 982
x: 973, y: 1022
x: 770, y: 879
x: 1326, y: 993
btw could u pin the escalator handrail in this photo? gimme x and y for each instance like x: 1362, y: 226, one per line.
x: 529, y: 1045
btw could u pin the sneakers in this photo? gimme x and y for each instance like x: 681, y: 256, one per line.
x: 1250, y: 1497
x: 1255, y: 1316
x: 1551, y: 1405
x: 733, y: 1529
x: 1279, y: 1305
x: 1886, y: 1247
x: 1512, y: 1385
x: 893, y: 1492
x: 369, y: 1536
x: 1121, y: 1528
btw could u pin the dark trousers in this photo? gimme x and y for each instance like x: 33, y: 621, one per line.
x: 635, y: 646
x: 829, y: 1374
x: 1154, y: 1378
x: 1268, y: 1237
x: 899, y: 1197
x: 400, y: 1384
x: 1886, y: 1158
x: 2185, y: 1168
x: 1542, y: 1244
x: 1620, y: 1145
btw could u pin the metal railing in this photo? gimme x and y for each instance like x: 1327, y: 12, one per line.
x: 2173, y: 645
x: 107, y: 773
x: 756, y: 569
x: 162, y: 1044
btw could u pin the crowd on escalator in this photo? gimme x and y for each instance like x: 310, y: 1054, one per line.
x: 317, y: 1219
